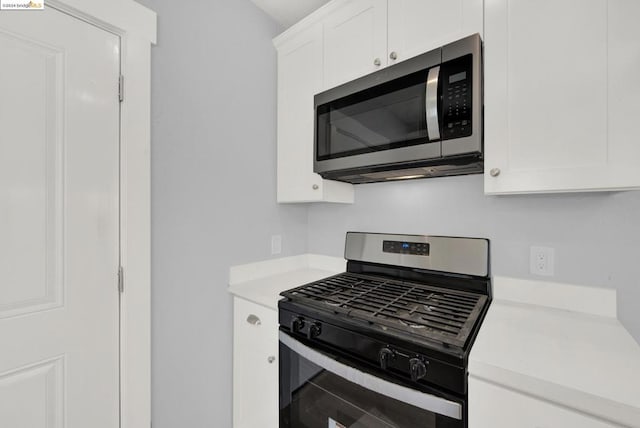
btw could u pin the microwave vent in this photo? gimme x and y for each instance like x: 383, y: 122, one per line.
x: 446, y: 170
x: 387, y: 175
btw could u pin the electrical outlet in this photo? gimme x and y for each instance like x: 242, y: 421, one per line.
x: 541, y: 261
x: 276, y: 244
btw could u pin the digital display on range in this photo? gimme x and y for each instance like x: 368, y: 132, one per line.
x: 400, y: 247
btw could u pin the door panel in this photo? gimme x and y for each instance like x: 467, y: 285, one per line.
x: 355, y: 35
x: 255, y: 372
x: 300, y: 76
x: 417, y: 26
x: 547, y: 124
x: 623, y: 83
x: 30, y: 176
x: 560, y: 106
x: 299, y: 79
x: 32, y: 396
x: 59, y: 149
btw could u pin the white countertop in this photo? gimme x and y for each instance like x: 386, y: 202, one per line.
x: 262, y: 282
x: 561, y: 343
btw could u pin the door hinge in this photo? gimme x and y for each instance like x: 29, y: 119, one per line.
x: 121, y: 88
x: 120, y: 279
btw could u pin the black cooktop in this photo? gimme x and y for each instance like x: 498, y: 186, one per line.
x: 420, y: 311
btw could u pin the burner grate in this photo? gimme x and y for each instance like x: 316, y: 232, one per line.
x: 430, y: 312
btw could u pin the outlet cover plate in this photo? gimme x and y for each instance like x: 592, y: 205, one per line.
x: 276, y: 244
x: 542, y: 261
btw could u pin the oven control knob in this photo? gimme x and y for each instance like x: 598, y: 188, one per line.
x: 385, y: 356
x: 296, y: 324
x: 314, y: 330
x: 418, y: 369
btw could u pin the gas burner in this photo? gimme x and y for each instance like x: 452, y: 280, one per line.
x: 447, y: 317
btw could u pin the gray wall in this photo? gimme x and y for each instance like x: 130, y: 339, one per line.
x: 213, y: 190
x: 213, y: 195
x: 596, y: 235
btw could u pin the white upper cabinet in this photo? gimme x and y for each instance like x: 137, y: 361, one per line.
x: 299, y: 79
x: 561, y: 95
x: 417, y: 26
x: 355, y: 41
x: 342, y: 41
x: 363, y: 36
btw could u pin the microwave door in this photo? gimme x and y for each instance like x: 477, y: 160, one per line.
x: 384, y: 125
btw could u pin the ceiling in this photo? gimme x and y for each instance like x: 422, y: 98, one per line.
x: 288, y: 12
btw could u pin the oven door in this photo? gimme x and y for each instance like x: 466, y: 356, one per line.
x: 318, y: 390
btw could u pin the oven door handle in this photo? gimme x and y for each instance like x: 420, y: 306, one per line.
x: 416, y: 398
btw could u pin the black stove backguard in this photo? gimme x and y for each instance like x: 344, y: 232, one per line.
x: 386, y: 343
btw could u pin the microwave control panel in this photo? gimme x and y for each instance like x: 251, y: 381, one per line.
x: 456, y: 98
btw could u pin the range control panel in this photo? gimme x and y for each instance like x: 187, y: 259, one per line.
x: 456, y: 98
x: 400, y: 247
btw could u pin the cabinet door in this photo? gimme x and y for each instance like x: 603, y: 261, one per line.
x: 355, y: 41
x: 417, y: 26
x: 255, y: 366
x: 496, y: 407
x: 299, y: 79
x: 561, y: 92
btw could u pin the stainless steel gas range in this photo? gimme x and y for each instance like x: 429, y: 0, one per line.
x: 385, y: 344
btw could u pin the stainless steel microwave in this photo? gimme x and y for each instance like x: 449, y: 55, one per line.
x: 419, y: 118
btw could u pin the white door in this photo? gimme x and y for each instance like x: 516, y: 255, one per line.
x: 299, y: 78
x: 561, y: 95
x: 417, y: 26
x: 59, y: 148
x: 255, y: 365
x: 355, y: 41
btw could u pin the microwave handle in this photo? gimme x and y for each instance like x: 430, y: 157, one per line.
x: 416, y: 398
x: 431, y: 101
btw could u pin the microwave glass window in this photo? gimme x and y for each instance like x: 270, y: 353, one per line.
x: 390, y: 116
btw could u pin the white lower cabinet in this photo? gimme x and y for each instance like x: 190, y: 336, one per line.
x: 492, y: 406
x: 255, y: 365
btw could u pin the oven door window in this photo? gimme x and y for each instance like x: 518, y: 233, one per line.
x: 313, y: 397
